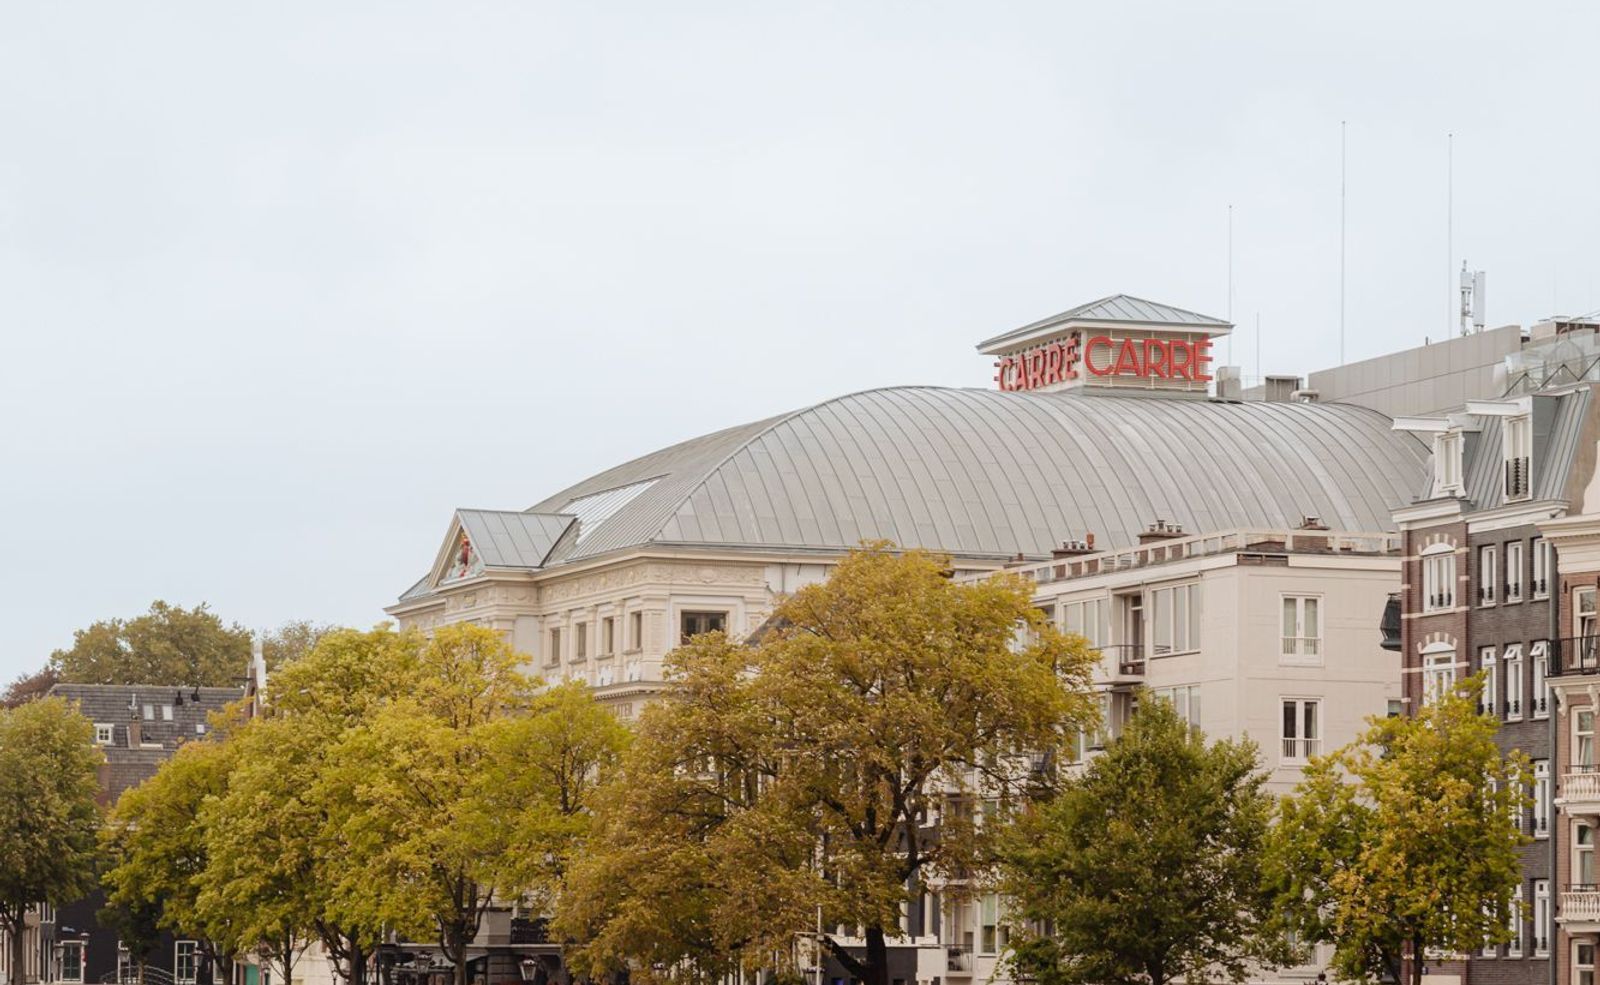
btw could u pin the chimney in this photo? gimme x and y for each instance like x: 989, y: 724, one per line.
x: 1072, y: 548
x: 1312, y: 523
x: 1161, y: 530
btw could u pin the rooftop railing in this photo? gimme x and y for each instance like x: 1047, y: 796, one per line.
x: 1241, y: 541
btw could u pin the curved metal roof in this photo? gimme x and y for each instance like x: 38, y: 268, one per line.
x: 985, y: 473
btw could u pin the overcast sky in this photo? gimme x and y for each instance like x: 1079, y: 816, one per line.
x: 282, y: 284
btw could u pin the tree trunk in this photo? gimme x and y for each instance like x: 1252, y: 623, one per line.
x: 877, y: 963
x: 1416, y: 960
x: 358, y: 963
x: 17, y: 950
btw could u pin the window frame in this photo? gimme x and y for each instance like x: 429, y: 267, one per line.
x: 553, y: 657
x: 1439, y: 581
x: 1447, y: 465
x: 608, y: 636
x: 1164, y: 603
x: 1539, y: 579
x: 720, y: 615
x: 178, y: 959
x: 1488, y: 575
x: 1488, y: 666
x: 1438, y: 675
x: 1513, y: 584
x: 1514, y: 689
x: 1539, y: 688
x: 81, y: 948
x: 1293, y: 649
x: 1297, y: 749
x: 1516, y: 924
x: 1185, y: 700
x: 1076, y: 616
x: 580, y: 641
x: 636, y: 631
x: 105, y: 734
x: 1541, y: 918
x: 1541, y: 798
x: 1517, y: 447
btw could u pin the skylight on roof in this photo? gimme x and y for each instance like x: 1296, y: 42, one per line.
x: 596, y: 508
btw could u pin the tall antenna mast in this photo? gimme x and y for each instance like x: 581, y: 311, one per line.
x: 1230, y: 281
x: 1341, y: 239
x: 1259, y: 375
x: 1450, y: 229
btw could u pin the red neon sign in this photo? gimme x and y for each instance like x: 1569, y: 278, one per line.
x: 1103, y: 356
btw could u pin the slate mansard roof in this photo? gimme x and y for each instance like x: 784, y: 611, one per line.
x: 986, y: 474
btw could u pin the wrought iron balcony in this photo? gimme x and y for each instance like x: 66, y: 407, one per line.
x: 958, y: 960
x: 1517, y: 477
x: 1575, y: 655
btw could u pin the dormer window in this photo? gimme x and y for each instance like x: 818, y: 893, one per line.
x: 1519, y: 457
x: 1447, y: 464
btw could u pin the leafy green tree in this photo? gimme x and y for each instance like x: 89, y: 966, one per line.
x: 291, y: 641
x: 424, y: 854
x: 1148, y: 865
x: 542, y: 770
x: 155, y: 845
x: 796, y: 777
x: 1407, y: 837
x: 167, y: 645
x: 48, y: 814
x: 273, y: 841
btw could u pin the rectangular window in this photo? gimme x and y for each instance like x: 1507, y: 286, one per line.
x: 1395, y: 708
x: 166, y: 713
x: 1539, y: 697
x: 1487, y: 704
x: 1439, y: 581
x: 1488, y: 566
x: 1514, y: 571
x: 1185, y: 700
x: 1302, y: 629
x: 989, y: 923
x: 1302, y: 732
x: 1175, y: 619
x: 1514, y: 682
x: 1438, y: 676
x: 696, y: 623
x: 1583, y: 856
x: 72, y: 961
x: 635, y: 630
x: 185, y: 965
x: 104, y: 734
x: 608, y: 636
x: 1447, y: 464
x: 554, y: 656
x: 1541, y: 798
x: 1519, y: 457
x: 580, y: 641
x: 1514, y: 924
x: 1582, y: 964
x: 149, y: 713
x: 1583, y: 742
x: 1090, y: 619
x: 1541, y: 917
x: 1539, y: 584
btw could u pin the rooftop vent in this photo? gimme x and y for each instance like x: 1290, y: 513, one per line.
x: 1280, y: 389
x: 1313, y: 523
x: 1161, y: 530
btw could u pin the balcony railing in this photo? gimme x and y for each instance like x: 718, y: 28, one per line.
x: 1575, y: 655
x: 1580, y: 787
x: 958, y: 960
x: 1517, y: 473
x: 1127, y: 658
x: 1580, y: 903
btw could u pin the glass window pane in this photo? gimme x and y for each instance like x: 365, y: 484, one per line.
x: 1310, y: 731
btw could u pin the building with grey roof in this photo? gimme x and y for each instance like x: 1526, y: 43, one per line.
x: 1104, y: 442
x: 1104, y: 423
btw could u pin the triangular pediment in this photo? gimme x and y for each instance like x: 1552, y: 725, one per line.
x: 484, y: 541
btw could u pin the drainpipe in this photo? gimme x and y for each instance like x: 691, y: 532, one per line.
x: 1554, y: 621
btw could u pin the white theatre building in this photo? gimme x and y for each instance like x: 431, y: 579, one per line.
x: 1240, y: 563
